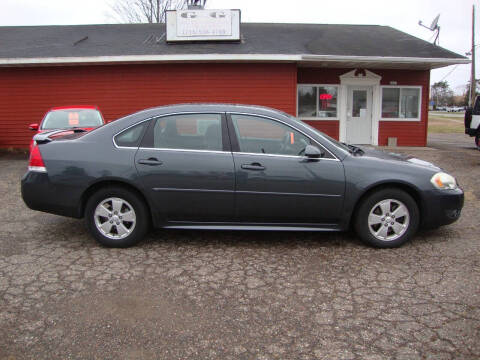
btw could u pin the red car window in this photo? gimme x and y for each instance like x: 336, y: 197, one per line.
x: 68, y: 118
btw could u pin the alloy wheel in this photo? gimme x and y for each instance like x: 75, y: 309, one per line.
x: 388, y: 220
x: 115, y: 218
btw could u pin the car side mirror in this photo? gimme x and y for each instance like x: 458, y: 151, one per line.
x: 33, y: 127
x: 313, y: 152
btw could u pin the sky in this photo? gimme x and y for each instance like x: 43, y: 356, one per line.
x: 455, y: 19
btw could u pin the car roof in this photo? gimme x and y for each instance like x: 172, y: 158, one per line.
x: 94, y: 107
x: 214, y: 107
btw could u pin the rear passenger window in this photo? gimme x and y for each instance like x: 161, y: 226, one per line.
x: 132, y: 136
x: 189, y: 131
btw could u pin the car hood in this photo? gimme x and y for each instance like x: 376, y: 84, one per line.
x: 395, y: 157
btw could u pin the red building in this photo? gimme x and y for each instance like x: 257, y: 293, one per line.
x: 361, y: 84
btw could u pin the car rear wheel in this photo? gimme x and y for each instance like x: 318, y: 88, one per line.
x: 116, y: 217
x: 387, y: 218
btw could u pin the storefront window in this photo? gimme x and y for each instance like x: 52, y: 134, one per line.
x: 390, y: 105
x: 400, y: 103
x: 307, y: 103
x: 317, y: 101
x: 409, y: 100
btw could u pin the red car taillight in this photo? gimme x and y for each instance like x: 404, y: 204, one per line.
x: 36, y: 162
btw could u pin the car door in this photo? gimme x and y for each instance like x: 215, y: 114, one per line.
x: 275, y: 183
x: 186, y: 165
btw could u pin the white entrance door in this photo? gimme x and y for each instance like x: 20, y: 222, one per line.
x: 359, y: 115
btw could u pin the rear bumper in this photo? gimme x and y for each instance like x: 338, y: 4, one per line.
x: 442, y: 207
x: 39, y: 194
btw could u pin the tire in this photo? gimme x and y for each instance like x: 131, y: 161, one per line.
x: 371, y: 218
x: 117, y: 217
x: 477, y: 140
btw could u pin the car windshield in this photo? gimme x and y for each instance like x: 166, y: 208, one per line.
x: 72, y: 118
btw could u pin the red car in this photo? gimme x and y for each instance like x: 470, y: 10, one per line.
x: 85, y: 117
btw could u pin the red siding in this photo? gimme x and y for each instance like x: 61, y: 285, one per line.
x: 27, y: 93
x: 329, y: 127
x: 408, y: 133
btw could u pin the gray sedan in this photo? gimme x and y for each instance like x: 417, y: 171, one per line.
x: 216, y: 166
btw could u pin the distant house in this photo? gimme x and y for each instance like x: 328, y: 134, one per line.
x: 357, y: 83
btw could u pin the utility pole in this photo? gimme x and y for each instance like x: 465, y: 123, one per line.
x: 473, y: 82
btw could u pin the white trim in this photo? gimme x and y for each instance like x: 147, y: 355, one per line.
x: 318, y: 118
x: 151, y: 58
x: 232, y: 57
x: 371, y: 80
x: 400, y: 87
x: 383, y: 59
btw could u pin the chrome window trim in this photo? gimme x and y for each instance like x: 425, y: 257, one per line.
x: 232, y: 152
x: 284, y: 156
x: 223, y: 152
x: 125, y: 129
x: 160, y: 116
x: 289, y: 125
x: 186, y: 150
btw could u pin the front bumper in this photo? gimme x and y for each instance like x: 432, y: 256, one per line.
x: 442, y: 207
x: 40, y: 194
x: 471, y: 132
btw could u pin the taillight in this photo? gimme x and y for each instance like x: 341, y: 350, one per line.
x: 36, y: 162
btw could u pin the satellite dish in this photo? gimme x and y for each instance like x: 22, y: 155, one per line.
x: 433, y: 27
x: 435, y: 23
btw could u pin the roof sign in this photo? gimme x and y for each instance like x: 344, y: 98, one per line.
x: 203, y: 25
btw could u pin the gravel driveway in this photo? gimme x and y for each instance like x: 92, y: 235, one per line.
x: 240, y: 295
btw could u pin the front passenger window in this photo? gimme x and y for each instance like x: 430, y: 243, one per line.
x: 265, y: 136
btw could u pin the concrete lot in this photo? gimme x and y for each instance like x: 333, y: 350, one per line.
x: 240, y: 295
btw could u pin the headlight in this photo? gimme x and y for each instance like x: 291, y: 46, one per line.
x: 443, y: 181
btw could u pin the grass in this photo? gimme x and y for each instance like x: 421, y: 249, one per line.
x: 439, y: 122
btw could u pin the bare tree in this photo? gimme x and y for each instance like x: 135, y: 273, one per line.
x: 142, y: 11
x: 441, y: 93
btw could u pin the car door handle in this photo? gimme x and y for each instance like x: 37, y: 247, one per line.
x: 150, y: 162
x: 253, y: 166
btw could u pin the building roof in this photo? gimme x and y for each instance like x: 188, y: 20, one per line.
x: 321, y: 44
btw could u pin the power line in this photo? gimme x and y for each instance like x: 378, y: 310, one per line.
x: 449, y: 73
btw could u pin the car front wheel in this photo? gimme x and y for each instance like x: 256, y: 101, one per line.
x: 387, y: 218
x: 477, y: 141
x: 116, y: 217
